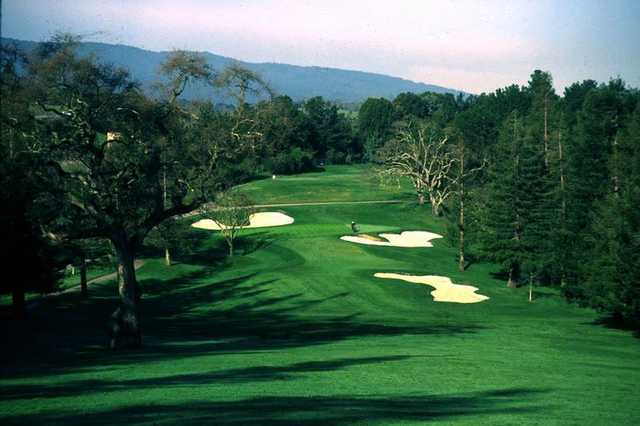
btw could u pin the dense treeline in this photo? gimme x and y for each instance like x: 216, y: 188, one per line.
x: 301, y: 137
x: 546, y: 186
x: 556, y: 182
x: 554, y: 194
x: 298, y: 138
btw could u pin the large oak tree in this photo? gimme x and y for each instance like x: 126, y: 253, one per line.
x: 122, y: 186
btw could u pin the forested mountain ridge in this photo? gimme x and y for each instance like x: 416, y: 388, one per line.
x: 297, y: 82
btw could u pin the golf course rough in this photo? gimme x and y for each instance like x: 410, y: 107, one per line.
x: 445, y: 290
x: 404, y: 239
x: 256, y: 220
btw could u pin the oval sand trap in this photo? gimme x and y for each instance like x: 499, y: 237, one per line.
x: 405, y: 239
x: 445, y: 290
x: 256, y: 220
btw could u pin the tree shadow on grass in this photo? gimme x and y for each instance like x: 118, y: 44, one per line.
x: 190, y: 315
x: 309, y: 410
x: 213, y: 255
x: 213, y: 252
x: 239, y: 316
x: 235, y: 375
x: 616, y: 323
x: 255, y: 241
x: 75, y: 342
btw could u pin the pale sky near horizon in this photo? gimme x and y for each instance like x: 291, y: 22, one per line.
x: 473, y: 46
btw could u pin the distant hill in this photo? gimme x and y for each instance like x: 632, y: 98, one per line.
x: 298, y: 82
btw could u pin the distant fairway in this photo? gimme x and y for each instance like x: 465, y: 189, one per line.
x: 296, y: 330
x: 337, y: 183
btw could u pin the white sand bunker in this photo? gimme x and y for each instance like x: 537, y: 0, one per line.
x: 256, y: 220
x: 445, y: 290
x: 405, y: 239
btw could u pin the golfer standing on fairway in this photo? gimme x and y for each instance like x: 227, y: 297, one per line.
x: 354, y: 227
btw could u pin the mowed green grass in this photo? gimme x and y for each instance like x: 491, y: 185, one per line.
x: 336, y: 183
x: 295, y: 330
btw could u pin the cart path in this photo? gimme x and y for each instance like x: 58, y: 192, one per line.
x: 330, y: 203
x: 34, y: 303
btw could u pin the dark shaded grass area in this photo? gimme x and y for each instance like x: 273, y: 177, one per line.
x: 309, y: 411
x: 251, y: 325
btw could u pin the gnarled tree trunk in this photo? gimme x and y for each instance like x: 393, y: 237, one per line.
x: 435, y: 207
x: 124, y: 324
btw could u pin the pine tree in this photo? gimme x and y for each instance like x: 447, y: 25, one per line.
x: 502, y: 221
x: 589, y: 173
x: 612, y: 277
x: 519, y: 214
x: 541, y: 118
x: 560, y: 240
x: 535, y: 209
x: 542, y: 124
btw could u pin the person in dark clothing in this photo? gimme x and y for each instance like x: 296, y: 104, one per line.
x: 354, y: 227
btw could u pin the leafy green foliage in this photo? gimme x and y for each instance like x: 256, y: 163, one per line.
x: 332, y: 138
x: 375, y: 118
x: 173, y: 235
x: 411, y: 106
x: 294, y: 161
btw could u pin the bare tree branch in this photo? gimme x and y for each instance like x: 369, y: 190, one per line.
x: 426, y: 160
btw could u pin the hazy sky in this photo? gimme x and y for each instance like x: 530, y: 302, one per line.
x: 469, y: 45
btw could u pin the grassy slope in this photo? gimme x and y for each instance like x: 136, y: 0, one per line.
x: 297, y: 331
x: 337, y: 183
